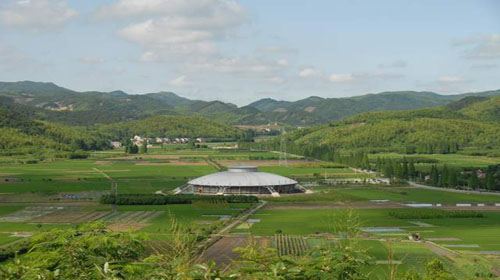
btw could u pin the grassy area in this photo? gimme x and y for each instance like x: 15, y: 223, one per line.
x: 403, y: 194
x: 481, y: 232
x: 90, y: 175
x: 167, y: 168
x: 458, y: 160
x: 310, y: 171
x: 415, y: 195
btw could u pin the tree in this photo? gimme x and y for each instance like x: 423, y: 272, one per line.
x: 388, y: 169
x: 452, y: 178
x: 405, y: 170
x: 435, y: 271
x: 144, y: 147
x: 412, y: 173
x: 473, y: 181
x: 434, y: 175
x: 445, y: 174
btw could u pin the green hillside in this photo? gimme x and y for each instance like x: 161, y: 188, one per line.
x: 315, y: 110
x: 57, y: 104
x: 435, y: 130
x: 487, y: 110
x: 170, y: 126
x: 23, y: 132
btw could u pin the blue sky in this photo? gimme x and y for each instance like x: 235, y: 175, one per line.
x: 240, y: 51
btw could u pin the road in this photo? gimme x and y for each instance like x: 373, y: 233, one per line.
x: 413, y: 184
x: 240, y: 219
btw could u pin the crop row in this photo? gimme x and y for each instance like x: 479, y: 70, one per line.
x: 290, y: 245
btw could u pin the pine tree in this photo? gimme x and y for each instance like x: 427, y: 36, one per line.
x: 405, y: 171
x: 411, y: 170
x: 144, y: 147
x: 473, y: 181
x: 434, y: 175
x: 388, y: 169
x: 452, y: 178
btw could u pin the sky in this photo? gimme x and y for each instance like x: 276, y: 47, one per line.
x: 242, y: 51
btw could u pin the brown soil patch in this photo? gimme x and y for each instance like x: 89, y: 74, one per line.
x: 441, y: 251
x: 260, y: 162
x: 8, y: 174
x: 222, y: 251
x: 444, y: 239
x: 103, y: 162
x: 176, y: 162
x: 357, y: 205
x: 153, y: 157
x: 21, y: 234
x: 70, y: 216
x: 126, y: 226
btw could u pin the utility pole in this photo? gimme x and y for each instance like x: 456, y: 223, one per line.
x: 114, y: 193
x: 283, y: 155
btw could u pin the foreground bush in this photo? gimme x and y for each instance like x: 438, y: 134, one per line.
x: 93, y: 252
x: 156, y: 199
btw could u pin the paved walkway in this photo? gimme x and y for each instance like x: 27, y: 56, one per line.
x: 413, y: 184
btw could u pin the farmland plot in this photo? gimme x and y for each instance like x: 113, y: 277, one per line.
x: 290, y: 245
x: 29, y: 213
x: 222, y: 252
x: 130, y: 220
x: 70, y: 216
x: 131, y: 216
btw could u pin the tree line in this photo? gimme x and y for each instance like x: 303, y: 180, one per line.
x: 156, y: 199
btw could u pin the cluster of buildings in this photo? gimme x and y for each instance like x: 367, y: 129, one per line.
x: 139, y: 141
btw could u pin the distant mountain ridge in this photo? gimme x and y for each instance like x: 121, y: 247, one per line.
x: 54, y: 103
x: 470, y: 123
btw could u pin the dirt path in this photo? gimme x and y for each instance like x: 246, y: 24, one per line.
x: 215, y: 237
x: 241, y: 218
x: 413, y: 184
x: 441, y: 251
x: 102, y: 173
x: 357, y: 205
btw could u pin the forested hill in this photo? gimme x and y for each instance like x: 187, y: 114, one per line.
x: 21, y: 132
x: 57, y: 104
x: 468, y: 123
x: 170, y: 126
x: 315, y: 110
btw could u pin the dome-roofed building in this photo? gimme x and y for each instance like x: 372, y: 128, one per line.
x: 242, y: 180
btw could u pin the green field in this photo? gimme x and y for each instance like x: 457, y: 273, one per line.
x: 318, y: 171
x: 482, y: 232
x: 458, y: 160
x: 414, y: 195
x: 92, y: 175
x: 47, y: 184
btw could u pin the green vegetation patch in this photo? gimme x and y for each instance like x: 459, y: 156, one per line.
x: 433, y: 214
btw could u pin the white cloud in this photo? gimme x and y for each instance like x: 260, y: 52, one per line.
x: 282, y: 62
x: 168, y: 28
x: 341, y: 78
x: 243, y: 66
x: 179, y: 81
x: 36, y: 14
x: 480, y: 47
x: 309, y: 72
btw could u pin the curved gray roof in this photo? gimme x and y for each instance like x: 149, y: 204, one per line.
x: 237, y: 176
